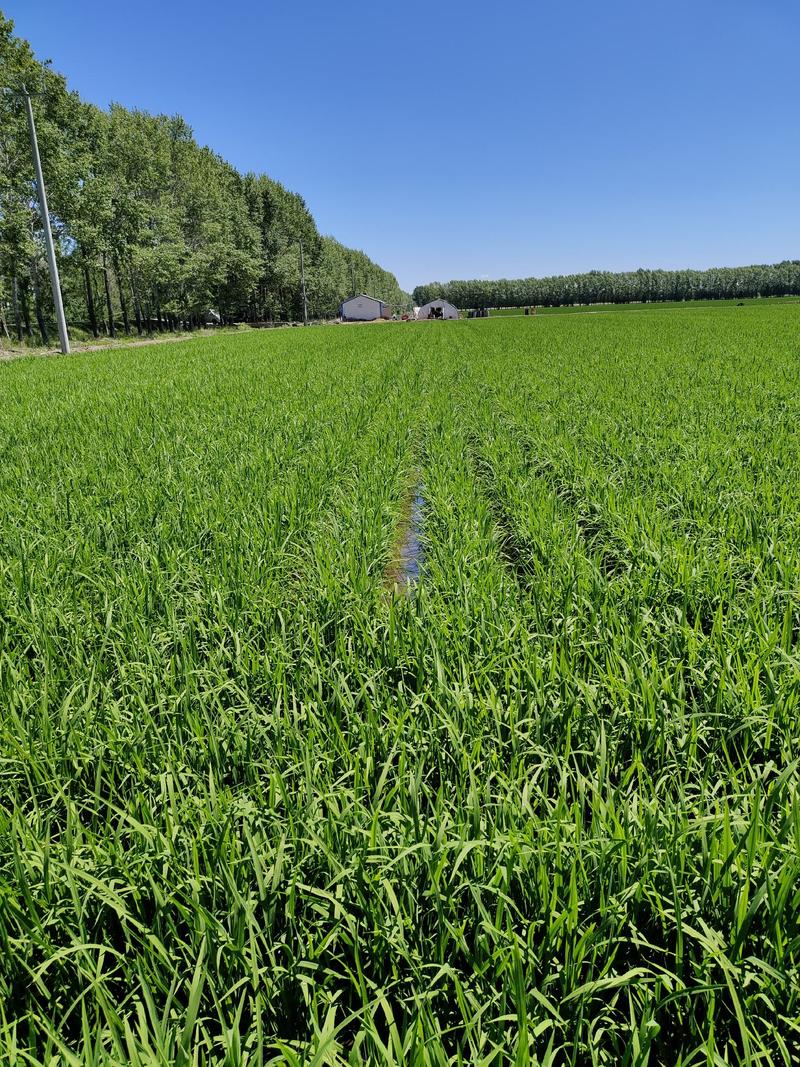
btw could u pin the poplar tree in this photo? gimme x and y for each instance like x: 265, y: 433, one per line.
x: 153, y: 231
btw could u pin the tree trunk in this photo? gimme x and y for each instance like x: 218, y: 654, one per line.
x: 101, y: 316
x: 123, y: 303
x: 26, y: 313
x: 137, y: 305
x: 87, y: 281
x: 15, y: 304
x: 109, y: 305
x: 37, y: 300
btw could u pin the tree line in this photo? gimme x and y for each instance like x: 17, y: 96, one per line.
x: 153, y: 231
x: 607, y: 287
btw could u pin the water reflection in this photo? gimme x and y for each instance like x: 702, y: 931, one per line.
x: 412, y: 555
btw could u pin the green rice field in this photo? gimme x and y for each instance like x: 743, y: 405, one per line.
x: 263, y: 799
x: 661, y: 305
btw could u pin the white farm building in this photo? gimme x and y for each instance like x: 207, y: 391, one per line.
x: 437, y: 309
x: 364, y: 309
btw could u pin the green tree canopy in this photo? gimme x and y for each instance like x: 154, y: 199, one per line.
x: 151, y: 226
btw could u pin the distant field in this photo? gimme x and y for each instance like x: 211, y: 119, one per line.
x: 259, y: 803
x: 586, y: 309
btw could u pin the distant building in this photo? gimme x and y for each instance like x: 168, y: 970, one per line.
x: 364, y: 309
x: 437, y: 309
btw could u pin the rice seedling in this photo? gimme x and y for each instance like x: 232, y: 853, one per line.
x: 255, y: 810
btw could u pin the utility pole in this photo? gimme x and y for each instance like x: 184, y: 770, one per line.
x: 63, y: 336
x: 353, y: 276
x: 303, y: 278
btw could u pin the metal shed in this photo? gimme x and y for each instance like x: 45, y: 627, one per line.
x: 438, y: 309
x: 364, y: 308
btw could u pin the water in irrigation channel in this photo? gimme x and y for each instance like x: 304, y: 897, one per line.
x: 411, y: 557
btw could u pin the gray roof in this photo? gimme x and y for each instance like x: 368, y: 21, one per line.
x: 363, y: 296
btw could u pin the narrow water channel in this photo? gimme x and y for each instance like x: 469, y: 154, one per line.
x: 411, y: 557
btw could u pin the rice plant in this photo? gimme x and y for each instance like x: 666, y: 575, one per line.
x: 256, y: 808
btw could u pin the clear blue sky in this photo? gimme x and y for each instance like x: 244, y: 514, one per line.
x: 458, y: 140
